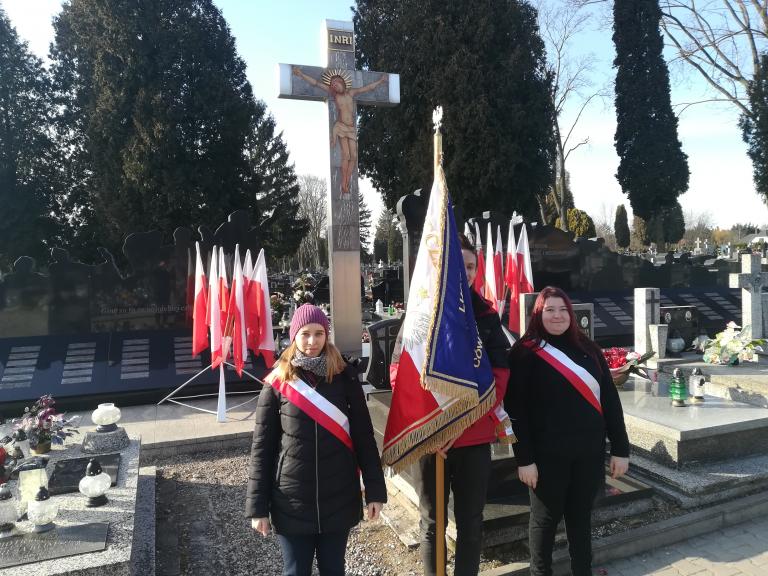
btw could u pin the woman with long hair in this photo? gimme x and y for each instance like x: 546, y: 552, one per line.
x: 563, y: 404
x: 312, y: 441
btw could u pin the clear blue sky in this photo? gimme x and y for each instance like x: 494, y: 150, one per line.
x: 269, y: 32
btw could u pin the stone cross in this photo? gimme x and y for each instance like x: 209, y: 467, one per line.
x: 342, y: 88
x: 697, y: 250
x: 647, y: 312
x: 751, y: 281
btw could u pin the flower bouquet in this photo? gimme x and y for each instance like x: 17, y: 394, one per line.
x: 623, y: 363
x: 44, y: 426
x: 732, y: 345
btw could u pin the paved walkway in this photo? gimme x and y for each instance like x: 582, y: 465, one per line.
x: 740, y: 550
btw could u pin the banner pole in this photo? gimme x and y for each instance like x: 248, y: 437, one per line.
x: 221, y: 408
x: 440, y: 516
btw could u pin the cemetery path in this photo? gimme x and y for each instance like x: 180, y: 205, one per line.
x: 740, y: 550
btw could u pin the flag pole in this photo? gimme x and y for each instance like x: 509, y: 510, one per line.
x: 221, y: 406
x: 437, y: 118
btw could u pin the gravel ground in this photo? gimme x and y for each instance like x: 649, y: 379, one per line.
x: 201, y: 529
x: 203, y: 501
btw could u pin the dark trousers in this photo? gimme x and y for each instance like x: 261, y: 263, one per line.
x: 567, y: 486
x: 299, y: 550
x: 466, y: 473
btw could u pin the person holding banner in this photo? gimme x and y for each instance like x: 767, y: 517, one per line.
x: 563, y: 404
x: 312, y: 441
x: 468, y: 457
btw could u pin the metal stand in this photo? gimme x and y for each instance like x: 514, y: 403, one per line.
x: 221, y: 405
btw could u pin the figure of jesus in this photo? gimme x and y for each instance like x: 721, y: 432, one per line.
x: 339, y: 87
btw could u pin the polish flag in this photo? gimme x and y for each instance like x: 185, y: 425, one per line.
x: 191, y: 279
x: 214, y: 313
x: 199, y: 307
x: 524, y: 263
x: 259, y: 313
x: 490, y: 271
x: 480, y: 276
x: 512, y: 281
x: 498, y: 271
x: 223, y: 288
x: 237, y: 311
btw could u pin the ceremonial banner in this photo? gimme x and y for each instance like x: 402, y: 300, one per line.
x: 443, y: 381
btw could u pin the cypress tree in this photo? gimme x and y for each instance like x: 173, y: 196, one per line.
x: 621, y: 227
x: 653, y: 170
x: 484, y: 63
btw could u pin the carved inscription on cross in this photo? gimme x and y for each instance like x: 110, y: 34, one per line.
x: 751, y: 281
x: 343, y: 88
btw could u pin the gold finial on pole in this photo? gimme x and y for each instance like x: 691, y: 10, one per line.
x: 437, y: 120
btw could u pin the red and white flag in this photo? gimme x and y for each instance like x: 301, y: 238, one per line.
x: 214, y: 312
x: 199, y: 307
x: 524, y: 263
x: 191, y: 279
x: 237, y: 311
x: 490, y: 271
x: 480, y: 276
x: 512, y: 280
x: 498, y: 272
x: 258, y: 323
x: 223, y: 288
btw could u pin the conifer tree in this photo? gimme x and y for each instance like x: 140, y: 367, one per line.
x: 28, y: 176
x: 621, y: 227
x: 484, y: 63
x: 653, y: 169
x: 160, y: 125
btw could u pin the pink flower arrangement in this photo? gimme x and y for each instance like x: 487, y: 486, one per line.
x: 41, y: 423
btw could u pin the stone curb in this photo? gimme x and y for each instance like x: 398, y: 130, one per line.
x: 654, y: 536
x: 202, y: 444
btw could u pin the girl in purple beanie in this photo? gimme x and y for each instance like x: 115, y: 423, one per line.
x: 312, y: 442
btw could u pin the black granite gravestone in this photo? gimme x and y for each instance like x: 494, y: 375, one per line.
x: 67, y: 474
x: 58, y: 543
x: 682, y: 320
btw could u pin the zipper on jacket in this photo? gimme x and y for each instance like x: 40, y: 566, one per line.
x: 317, y: 480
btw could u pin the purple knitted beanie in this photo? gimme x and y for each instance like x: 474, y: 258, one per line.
x: 307, y: 314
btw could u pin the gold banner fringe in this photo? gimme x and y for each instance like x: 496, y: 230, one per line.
x: 427, y: 440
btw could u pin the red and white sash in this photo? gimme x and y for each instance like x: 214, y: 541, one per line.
x: 579, y: 377
x: 317, y: 407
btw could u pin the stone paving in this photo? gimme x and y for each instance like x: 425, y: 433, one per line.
x: 740, y: 550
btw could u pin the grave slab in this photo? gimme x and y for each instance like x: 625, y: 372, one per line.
x: 718, y: 429
x: 119, y: 513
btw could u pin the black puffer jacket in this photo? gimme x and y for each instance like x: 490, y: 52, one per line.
x: 300, y: 474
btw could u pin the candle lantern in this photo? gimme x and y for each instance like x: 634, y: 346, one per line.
x: 677, y: 388
x: 696, y: 386
x: 42, y: 511
x: 7, y: 512
x: 95, y: 484
x: 108, y: 436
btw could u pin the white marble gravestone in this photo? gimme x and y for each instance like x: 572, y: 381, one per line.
x: 647, y: 304
x: 751, y: 281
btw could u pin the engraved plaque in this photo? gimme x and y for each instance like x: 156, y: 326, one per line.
x: 67, y: 474
x: 60, y: 542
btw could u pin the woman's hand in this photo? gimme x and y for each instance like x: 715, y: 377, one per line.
x: 619, y: 466
x: 374, y: 510
x: 261, y: 525
x: 529, y: 475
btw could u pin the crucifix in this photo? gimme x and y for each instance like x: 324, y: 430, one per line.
x: 751, y: 281
x: 342, y: 88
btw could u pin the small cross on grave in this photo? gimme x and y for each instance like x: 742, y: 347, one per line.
x: 342, y: 88
x: 647, y: 312
x: 751, y: 281
x: 697, y: 250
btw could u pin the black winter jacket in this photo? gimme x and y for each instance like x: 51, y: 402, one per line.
x: 300, y: 474
x: 548, y: 413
